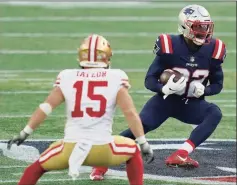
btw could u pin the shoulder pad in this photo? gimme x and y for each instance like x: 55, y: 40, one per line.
x: 59, y: 77
x: 219, y: 51
x: 122, y: 75
x: 124, y: 79
x: 163, y: 45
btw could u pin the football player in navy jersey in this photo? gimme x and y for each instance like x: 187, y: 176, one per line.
x: 199, y: 57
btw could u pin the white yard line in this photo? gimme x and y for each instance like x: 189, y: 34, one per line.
x: 23, y: 92
x: 27, y: 79
x: 223, y: 101
x: 106, y: 34
x: 9, y: 166
x: 228, y: 91
x: 46, y: 180
x: 108, y: 18
x: 28, y: 115
x: 103, y: 5
x: 74, y: 52
x: 228, y: 105
x: 5, y: 75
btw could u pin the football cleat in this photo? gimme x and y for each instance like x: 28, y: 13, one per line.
x: 97, y: 174
x: 178, y: 160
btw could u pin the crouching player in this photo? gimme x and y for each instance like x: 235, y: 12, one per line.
x: 199, y: 57
x: 91, y: 95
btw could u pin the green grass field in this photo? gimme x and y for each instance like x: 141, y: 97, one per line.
x: 32, y: 52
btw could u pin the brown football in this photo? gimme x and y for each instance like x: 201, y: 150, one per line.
x: 164, y: 77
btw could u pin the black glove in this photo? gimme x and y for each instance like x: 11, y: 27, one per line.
x: 147, y: 152
x: 17, y: 139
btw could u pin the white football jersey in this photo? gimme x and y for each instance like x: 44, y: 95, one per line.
x: 90, y: 98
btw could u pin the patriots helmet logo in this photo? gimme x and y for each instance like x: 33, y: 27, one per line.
x: 188, y: 11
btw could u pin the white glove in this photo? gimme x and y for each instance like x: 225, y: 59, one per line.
x: 198, y: 89
x: 18, y: 140
x: 146, y: 150
x: 172, y: 87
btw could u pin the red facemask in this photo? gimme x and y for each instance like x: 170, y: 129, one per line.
x: 201, y: 30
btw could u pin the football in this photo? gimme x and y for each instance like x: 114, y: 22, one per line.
x: 164, y: 77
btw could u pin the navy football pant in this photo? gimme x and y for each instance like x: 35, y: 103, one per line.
x: 195, y: 111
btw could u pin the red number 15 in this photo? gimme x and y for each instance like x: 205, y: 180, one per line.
x: 90, y: 93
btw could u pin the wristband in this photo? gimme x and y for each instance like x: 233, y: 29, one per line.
x: 28, y: 130
x: 46, y: 108
x: 141, y: 140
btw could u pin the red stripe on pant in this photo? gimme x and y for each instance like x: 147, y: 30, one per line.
x: 121, y: 153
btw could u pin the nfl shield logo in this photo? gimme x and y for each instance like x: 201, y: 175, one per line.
x: 192, y: 59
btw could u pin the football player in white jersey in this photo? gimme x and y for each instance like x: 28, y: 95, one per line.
x: 90, y: 95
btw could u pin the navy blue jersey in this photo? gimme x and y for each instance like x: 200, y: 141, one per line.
x: 203, y: 65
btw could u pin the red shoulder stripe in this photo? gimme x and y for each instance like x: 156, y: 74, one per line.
x: 166, y: 43
x: 162, y: 43
x: 219, y: 50
x: 170, y: 44
x: 222, y: 52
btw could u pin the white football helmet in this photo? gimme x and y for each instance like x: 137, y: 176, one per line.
x: 195, y: 23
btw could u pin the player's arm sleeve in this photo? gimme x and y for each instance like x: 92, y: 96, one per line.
x: 216, y: 76
x: 153, y: 74
x: 124, y: 81
x: 58, y: 82
x: 216, y: 79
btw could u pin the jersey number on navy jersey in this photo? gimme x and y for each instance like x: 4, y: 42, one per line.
x: 92, y: 96
x: 199, y: 75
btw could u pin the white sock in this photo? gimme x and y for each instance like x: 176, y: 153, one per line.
x: 188, y: 146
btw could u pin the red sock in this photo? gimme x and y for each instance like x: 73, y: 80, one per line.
x: 135, y: 169
x: 101, y: 169
x: 187, y: 146
x: 32, y: 174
